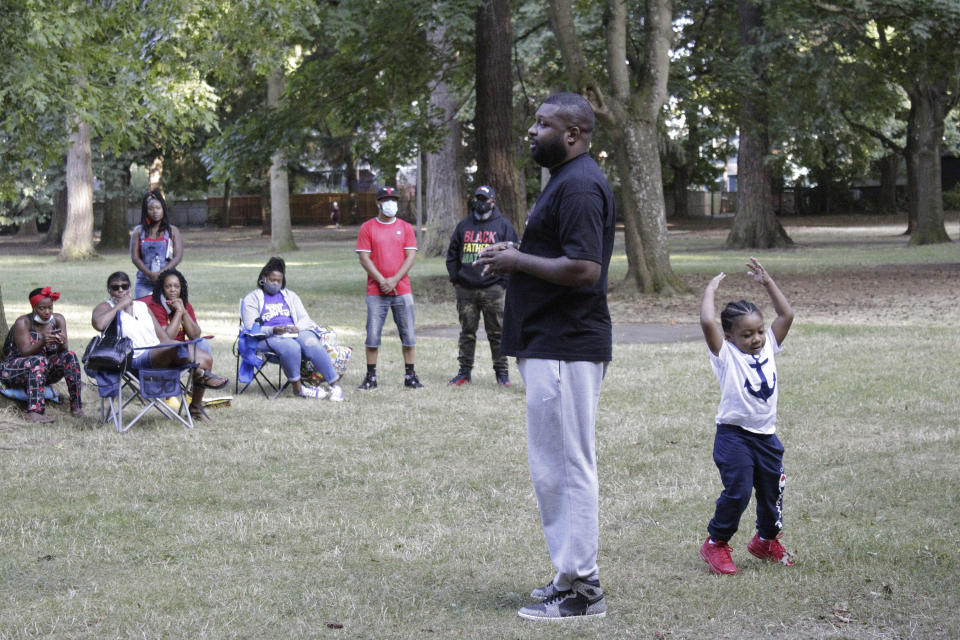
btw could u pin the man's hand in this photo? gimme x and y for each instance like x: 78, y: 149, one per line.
x: 498, y: 258
x: 387, y: 285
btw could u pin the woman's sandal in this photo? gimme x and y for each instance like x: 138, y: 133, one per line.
x: 212, y: 381
x: 197, y: 413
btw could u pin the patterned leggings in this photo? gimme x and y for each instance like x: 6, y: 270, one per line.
x: 35, y: 372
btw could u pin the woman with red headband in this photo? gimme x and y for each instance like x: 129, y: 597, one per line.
x: 155, y: 244
x: 35, y: 355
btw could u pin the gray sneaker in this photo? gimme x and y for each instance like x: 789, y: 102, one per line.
x: 546, y: 591
x: 583, y: 600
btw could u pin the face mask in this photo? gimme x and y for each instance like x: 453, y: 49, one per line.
x: 270, y: 288
x: 482, y: 210
x: 40, y: 320
x: 389, y: 208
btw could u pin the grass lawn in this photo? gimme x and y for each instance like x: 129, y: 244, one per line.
x: 411, y: 515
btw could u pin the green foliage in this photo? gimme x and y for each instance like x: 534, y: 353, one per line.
x: 951, y: 198
x: 125, y: 67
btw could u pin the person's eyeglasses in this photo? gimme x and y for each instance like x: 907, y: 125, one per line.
x: 120, y: 287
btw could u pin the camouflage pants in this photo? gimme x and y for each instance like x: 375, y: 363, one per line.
x: 471, y: 303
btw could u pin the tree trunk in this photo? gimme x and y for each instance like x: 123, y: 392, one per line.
x: 910, y: 162
x: 755, y: 225
x: 227, y: 197
x: 349, y: 214
x: 114, y: 233
x: 445, y: 197
x: 281, y: 234
x: 928, y: 113
x: 681, y: 198
x: 889, y: 169
x: 4, y: 327
x: 632, y: 118
x: 59, y: 220
x: 496, y: 150
x: 28, y: 227
x: 264, y: 206
x: 155, y: 173
x: 78, y: 232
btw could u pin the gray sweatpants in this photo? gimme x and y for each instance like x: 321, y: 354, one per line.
x: 562, y: 399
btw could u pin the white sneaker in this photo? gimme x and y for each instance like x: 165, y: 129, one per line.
x: 336, y: 393
x: 312, y: 392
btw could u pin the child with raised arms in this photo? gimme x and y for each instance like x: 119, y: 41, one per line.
x: 746, y: 449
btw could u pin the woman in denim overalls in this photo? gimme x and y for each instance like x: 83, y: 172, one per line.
x: 155, y: 244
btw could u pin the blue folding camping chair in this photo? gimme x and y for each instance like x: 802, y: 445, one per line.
x: 149, y: 385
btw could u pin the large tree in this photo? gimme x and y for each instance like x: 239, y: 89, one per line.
x: 105, y: 75
x: 628, y: 101
x: 755, y: 224
x: 914, y: 45
x: 444, y: 176
x: 495, y: 137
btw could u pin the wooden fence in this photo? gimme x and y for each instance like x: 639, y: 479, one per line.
x: 305, y: 209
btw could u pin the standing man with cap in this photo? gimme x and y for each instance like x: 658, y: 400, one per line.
x: 387, y: 247
x: 479, y: 293
x: 556, y: 322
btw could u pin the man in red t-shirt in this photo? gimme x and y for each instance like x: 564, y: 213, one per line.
x: 387, y: 247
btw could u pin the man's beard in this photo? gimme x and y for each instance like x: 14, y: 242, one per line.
x: 549, y: 153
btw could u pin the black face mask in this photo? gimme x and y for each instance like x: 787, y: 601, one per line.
x: 482, y: 209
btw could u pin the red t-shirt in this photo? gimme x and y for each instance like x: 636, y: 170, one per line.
x: 386, y: 242
x: 161, y: 315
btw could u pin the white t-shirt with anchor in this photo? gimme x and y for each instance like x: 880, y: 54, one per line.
x: 748, y: 386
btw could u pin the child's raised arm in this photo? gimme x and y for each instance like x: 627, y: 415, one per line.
x: 708, y: 314
x: 781, y: 324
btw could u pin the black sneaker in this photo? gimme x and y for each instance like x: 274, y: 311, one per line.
x: 546, y: 591
x: 583, y: 600
x: 462, y: 377
x: 370, y: 382
x: 503, y: 379
x: 411, y: 381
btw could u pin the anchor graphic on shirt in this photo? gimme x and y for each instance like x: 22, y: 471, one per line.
x: 766, y: 390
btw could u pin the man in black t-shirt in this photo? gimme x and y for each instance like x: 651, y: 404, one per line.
x: 557, y: 324
x: 479, y: 294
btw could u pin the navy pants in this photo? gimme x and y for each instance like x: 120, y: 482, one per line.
x: 748, y: 461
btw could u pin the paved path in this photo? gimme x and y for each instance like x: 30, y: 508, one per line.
x: 623, y: 333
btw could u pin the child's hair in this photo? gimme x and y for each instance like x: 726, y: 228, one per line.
x: 734, y: 310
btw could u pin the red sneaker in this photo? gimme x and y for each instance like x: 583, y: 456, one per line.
x: 717, y: 555
x: 770, y: 550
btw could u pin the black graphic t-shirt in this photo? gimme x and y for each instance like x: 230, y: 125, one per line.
x: 469, y: 238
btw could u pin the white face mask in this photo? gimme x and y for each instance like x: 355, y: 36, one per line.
x: 389, y: 208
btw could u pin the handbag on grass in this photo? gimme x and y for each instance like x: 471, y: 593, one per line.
x: 108, y: 351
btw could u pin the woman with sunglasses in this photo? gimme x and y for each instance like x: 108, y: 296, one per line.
x: 138, y: 324
x: 155, y: 244
x: 35, y: 355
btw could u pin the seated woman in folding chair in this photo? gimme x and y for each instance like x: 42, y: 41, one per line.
x: 138, y: 324
x: 35, y: 354
x: 289, y: 330
x: 174, y: 313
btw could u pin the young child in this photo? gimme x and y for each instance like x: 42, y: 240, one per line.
x: 746, y: 448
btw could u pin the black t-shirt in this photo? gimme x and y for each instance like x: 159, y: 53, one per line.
x: 574, y: 217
